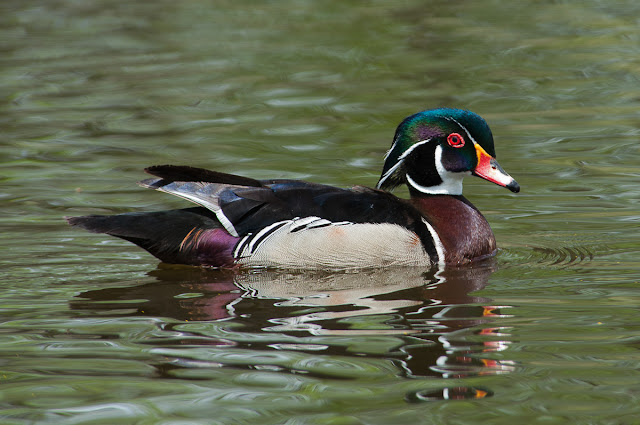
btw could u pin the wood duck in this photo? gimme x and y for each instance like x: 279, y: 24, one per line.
x: 281, y: 223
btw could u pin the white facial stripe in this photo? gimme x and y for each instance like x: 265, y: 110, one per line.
x: 415, y: 185
x: 412, y: 148
x: 451, y: 187
x: 391, y: 149
x: 388, y: 173
x: 400, y: 159
x: 465, y: 130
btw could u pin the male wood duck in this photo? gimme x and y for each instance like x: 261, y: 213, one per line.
x: 281, y: 223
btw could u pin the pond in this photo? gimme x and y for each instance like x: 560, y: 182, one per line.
x: 96, y: 331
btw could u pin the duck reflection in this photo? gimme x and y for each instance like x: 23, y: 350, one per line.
x: 442, y: 328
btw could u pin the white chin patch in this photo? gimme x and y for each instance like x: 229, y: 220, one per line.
x: 451, y: 182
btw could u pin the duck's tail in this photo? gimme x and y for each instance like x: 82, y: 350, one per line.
x: 186, y: 236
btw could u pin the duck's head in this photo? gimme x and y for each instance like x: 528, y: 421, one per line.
x: 434, y: 150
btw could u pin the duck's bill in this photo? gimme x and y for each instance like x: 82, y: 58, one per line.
x: 489, y: 169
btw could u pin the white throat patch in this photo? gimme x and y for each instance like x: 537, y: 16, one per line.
x: 451, y: 182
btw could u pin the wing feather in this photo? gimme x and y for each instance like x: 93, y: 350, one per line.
x: 246, y: 206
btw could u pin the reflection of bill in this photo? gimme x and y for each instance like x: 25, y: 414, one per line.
x: 448, y: 393
x: 430, y: 323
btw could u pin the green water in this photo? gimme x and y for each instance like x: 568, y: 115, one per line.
x: 94, y: 331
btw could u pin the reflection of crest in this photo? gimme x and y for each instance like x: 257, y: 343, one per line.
x: 429, y: 323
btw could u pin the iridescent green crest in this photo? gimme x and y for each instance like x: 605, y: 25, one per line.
x: 426, y: 130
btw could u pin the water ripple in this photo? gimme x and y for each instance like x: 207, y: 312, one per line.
x: 564, y: 256
x: 560, y: 257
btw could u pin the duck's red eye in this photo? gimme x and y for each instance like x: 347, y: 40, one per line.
x: 455, y: 140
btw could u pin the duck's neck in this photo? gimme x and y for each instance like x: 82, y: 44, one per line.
x: 463, y: 231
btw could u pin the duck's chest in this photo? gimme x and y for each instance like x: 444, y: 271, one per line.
x: 463, y: 232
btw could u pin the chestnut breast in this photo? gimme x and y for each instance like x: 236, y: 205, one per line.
x: 464, y: 232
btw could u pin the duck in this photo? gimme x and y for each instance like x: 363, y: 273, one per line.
x: 293, y: 224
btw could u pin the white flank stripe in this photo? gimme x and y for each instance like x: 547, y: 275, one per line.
x: 356, y: 246
x: 248, y: 245
x: 318, y: 223
x: 258, y: 235
x: 436, y: 242
x: 236, y: 252
x: 300, y: 223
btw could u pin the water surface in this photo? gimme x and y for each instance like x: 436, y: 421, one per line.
x: 95, y: 331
